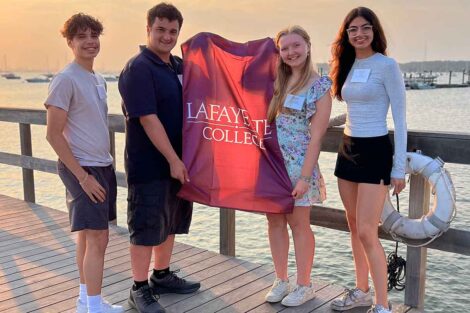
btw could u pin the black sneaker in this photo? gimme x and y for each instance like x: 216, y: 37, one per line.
x: 144, y: 301
x: 172, y: 284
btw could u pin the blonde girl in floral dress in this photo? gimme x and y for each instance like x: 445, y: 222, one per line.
x: 301, y: 106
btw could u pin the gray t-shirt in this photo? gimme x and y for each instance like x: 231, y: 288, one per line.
x: 83, y: 95
x: 373, y: 84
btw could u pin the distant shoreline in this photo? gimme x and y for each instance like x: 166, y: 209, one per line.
x: 435, y: 66
x: 415, y: 66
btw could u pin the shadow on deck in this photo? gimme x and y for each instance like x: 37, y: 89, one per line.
x: 38, y: 272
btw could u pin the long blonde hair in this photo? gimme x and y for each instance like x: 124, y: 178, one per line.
x: 284, y: 72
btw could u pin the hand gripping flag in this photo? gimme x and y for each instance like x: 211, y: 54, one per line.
x: 231, y: 152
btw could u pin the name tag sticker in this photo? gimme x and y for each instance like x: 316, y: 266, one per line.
x: 360, y: 75
x: 101, y: 91
x: 180, y: 77
x: 294, y: 102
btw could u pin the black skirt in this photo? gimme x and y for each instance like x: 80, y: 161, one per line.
x: 365, y: 160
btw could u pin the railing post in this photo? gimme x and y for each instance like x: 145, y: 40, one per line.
x: 227, y: 232
x: 416, y: 258
x: 28, y: 175
x: 112, y: 146
x: 112, y: 151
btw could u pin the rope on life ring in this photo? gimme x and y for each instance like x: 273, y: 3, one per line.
x: 396, y: 266
x: 438, y: 219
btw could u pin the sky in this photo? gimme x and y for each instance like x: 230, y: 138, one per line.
x: 417, y: 30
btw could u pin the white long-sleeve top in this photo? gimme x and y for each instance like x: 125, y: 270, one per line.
x: 368, y: 93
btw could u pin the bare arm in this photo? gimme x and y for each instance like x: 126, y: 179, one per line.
x: 318, y: 127
x: 157, y: 135
x: 56, y: 119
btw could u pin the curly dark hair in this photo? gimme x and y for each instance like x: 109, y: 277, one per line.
x: 78, y: 22
x: 343, y: 52
x: 164, y: 10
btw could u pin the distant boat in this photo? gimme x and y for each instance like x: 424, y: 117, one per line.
x: 421, y: 85
x: 422, y: 81
x: 110, y: 77
x: 38, y: 79
x: 10, y: 76
x: 48, y: 75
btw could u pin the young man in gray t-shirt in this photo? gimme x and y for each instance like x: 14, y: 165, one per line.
x: 77, y: 130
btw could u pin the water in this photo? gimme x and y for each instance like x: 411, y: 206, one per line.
x: 435, y: 110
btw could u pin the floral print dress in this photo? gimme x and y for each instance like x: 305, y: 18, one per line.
x: 293, y: 132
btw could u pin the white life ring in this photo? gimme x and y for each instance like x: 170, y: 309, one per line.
x: 437, y: 221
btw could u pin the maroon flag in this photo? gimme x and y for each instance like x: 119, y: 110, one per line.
x: 231, y: 152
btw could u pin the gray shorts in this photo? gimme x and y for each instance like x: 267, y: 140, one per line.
x: 154, y: 212
x: 83, y: 213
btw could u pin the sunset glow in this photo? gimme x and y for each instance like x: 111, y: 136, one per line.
x: 417, y: 30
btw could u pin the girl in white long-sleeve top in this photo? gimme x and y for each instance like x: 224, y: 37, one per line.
x: 369, y: 82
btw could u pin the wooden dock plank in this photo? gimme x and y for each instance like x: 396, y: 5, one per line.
x: 226, y: 284
x: 122, y: 278
x: 236, y: 295
x: 202, y: 271
x: 34, y: 230
x: 208, y: 276
x: 34, y: 268
x: 14, y: 206
x: 116, y: 263
x: 398, y: 308
x: 256, y: 299
x: 53, y: 278
x: 31, y: 222
x: 401, y: 308
x: 120, y: 283
x: 19, y: 213
x: 38, y: 271
x: 45, y: 236
x: 265, y: 307
x: 323, y: 297
x: 27, y: 251
x: 15, y: 249
x: 11, y: 205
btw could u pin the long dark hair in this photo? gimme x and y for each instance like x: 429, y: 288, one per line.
x: 343, y: 52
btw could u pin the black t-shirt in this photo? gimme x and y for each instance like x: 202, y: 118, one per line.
x: 150, y: 86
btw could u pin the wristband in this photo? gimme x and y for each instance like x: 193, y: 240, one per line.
x: 307, y: 179
x: 83, y: 180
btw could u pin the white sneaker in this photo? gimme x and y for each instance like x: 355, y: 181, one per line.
x: 352, y: 298
x: 377, y: 308
x: 299, y: 295
x: 278, y: 291
x: 106, y: 307
x: 82, y: 307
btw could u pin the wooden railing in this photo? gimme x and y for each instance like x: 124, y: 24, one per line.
x: 451, y: 147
